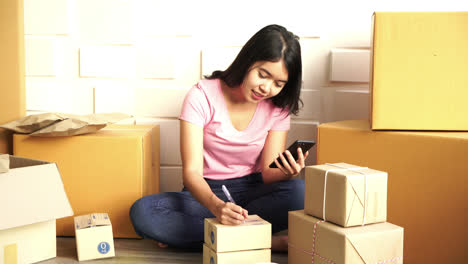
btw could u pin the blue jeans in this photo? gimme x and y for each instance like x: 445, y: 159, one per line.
x: 177, y: 218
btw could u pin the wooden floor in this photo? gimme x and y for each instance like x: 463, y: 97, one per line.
x: 137, y: 251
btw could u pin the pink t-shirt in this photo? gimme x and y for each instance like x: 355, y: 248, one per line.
x: 227, y: 152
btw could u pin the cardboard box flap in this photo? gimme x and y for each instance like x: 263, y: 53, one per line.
x: 4, y: 163
x: 91, y: 220
x: 373, y: 245
x: 19, y: 162
x: 31, y: 192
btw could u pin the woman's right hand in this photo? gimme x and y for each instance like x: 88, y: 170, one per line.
x: 228, y: 213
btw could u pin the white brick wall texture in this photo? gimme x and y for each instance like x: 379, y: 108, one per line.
x: 217, y: 58
x: 170, y: 131
x: 46, y: 17
x: 344, y: 102
x: 105, y: 21
x: 351, y: 104
x: 171, y: 179
x: 167, y: 18
x: 349, y: 65
x: 311, y: 108
x: 55, y: 95
x: 115, y: 96
x: 41, y: 56
x: 142, y: 56
x: 108, y: 61
x: 151, y: 103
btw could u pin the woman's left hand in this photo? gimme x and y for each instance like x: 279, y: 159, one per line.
x: 291, y: 167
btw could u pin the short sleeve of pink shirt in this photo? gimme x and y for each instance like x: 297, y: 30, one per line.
x: 227, y: 152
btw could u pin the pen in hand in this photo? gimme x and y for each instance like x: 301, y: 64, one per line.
x: 228, y: 195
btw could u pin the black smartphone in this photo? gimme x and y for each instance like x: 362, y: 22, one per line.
x: 305, y: 145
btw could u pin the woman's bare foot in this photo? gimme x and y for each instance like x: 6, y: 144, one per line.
x: 161, y: 245
x: 279, y: 243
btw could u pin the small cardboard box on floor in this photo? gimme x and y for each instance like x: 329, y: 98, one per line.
x: 106, y: 171
x: 348, y: 189
x: 312, y: 240
x: 32, y: 197
x: 12, y: 68
x: 427, y: 188
x: 226, y: 244
x: 93, y: 234
x: 418, y: 79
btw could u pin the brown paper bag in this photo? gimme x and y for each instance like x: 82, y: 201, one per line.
x: 4, y: 163
x: 58, y: 124
x: 33, y: 123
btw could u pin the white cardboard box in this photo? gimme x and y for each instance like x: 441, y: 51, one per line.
x: 32, y: 197
x: 94, y: 239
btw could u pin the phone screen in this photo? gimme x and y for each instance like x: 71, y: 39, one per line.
x: 305, y: 145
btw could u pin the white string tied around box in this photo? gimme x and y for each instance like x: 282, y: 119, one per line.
x: 341, y: 168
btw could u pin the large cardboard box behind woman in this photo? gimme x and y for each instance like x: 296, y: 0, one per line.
x: 427, y: 188
x: 106, y: 171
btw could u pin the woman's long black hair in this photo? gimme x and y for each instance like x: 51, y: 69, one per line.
x: 271, y: 43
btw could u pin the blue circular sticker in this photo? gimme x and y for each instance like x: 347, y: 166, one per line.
x: 212, y: 260
x: 212, y: 237
x: 103, y: 247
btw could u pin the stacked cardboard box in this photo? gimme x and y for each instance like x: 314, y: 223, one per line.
x: 106, y: 171
x: 344, y: 194
x: 418, y: 82
x: 418, y: 73
x: 343, y: 220
x: 247, y: 243
x: 12, y: 68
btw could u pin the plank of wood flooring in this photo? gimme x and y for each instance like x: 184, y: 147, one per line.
x: 137, y: 251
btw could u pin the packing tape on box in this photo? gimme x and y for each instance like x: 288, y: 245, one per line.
x: 341, y: 168
x: 10, y: 254
x: 313, y: 253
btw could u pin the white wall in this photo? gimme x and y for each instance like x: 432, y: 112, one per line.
x: 141, y: 56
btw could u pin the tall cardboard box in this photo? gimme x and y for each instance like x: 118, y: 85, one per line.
x: 32, y: 197
x: 419, y: 69
x: 12, y: 69
x: 426, y: 182
x: 106, y: 171
x: 312, y: 240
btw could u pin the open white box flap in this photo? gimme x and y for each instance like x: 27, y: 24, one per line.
x: 30, y: 192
